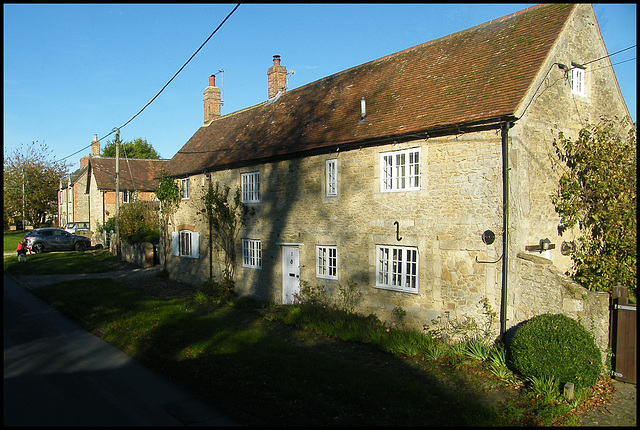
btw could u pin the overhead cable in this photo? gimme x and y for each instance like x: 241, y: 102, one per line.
x: 165, y: 86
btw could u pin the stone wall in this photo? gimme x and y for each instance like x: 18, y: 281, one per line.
x: 542, y: 289
x: 140, y: 254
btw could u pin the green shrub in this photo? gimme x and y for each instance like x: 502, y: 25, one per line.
x: 349, y: 297
x: 556, y: 346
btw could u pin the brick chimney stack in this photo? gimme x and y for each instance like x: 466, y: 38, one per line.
x: 95, y: 151
x: 211, y: 100
x: 277, y: 77
x: 95, y: 146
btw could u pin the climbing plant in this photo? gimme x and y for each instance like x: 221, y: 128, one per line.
x: 227, y: 215
x: 168, y: 193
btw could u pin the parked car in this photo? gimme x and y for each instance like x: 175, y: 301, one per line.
x: 75, y: 226
x: 55, y: 239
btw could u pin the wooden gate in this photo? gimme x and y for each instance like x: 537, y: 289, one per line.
x: 622, y: 332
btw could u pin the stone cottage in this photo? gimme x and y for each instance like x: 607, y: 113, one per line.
x: 424, y: 176
x: 89, y: 194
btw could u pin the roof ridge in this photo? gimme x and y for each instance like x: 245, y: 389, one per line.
x: 420, y: 45
x: 130, y: 158
x: 458, y: 33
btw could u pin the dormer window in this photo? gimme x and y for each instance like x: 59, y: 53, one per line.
x: 577, y: 80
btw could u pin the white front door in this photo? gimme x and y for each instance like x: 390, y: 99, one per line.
x: 290, y: 273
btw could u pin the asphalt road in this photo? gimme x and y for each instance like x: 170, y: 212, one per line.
x: 56, y: 373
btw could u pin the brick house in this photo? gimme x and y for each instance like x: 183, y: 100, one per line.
x: 425, y: 176
x: 89, y: 194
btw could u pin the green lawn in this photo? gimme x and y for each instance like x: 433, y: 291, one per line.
x: 11, y: 239
x: 58, y: 263
x: 242, y: 360
x: 229, y: 357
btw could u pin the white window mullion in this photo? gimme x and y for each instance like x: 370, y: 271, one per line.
x: 250, y: 187
x: 252, y: 253
x: 332, y: 177
x: 400, y: 170
x: 327, y: 262
x: 397, y: 268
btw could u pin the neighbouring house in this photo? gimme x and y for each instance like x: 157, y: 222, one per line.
x: 424, y: 176
x: 89, y: 193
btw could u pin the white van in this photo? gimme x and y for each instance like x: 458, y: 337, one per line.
x: 75, y: 227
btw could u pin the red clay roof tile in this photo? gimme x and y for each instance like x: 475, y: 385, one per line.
x: 135, y: 173
x: 477, y: 74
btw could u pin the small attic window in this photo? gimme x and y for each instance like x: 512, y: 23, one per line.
x: 577, y: 80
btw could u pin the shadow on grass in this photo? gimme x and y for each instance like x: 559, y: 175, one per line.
x: 264, y: 372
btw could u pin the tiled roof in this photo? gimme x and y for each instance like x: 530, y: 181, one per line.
x: 73, y: 177
x: 135, y: 173
x: 478, y: 74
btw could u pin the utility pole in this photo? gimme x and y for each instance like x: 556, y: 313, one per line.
x: 69, y: 217
x: 23, y: 221
x: 118, y: 192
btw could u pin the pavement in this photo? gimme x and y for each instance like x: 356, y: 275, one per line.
x: 621, y: 412
x: 56, y: 373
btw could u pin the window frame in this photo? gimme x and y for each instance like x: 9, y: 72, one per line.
x: 252, y: 253
x: 185, y: 189
x: 185, y: 243
x: 331, y: 177
x: 250, y: 187
x: 387, y: 276
x: 398, y: 176
x: 578, y: 80
x: 324, y: 268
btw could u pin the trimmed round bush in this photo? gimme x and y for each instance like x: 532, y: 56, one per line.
x: 554, y: 345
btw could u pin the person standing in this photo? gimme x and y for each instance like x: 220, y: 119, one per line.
x: 22, y: 250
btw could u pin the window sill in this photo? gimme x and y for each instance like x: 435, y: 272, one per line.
x: 397, y: 289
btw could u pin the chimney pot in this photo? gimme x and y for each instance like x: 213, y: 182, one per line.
x: 212, y: 80
x: 276, y: 60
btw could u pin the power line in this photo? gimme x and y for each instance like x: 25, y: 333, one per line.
x: 165, y: 85
x: 183, y: 66
x: 610, y: 55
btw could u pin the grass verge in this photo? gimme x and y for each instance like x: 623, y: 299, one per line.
x: 299, y: 365
x: 59, y: 263
x: 230, y: 357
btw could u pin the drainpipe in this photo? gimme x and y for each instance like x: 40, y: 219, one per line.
x: 210, y: 237
x: 505, y: 227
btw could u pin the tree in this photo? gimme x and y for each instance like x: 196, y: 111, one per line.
x: 597, y: 193
x: 28, y: 167
x: 226, y: 218
x: 168, y: 193
x: 139, y: 221
x: 138, y: 148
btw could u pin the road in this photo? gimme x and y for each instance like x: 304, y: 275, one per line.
x: 56, y: 373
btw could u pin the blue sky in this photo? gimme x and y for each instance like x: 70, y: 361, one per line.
x: 72, y: 71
